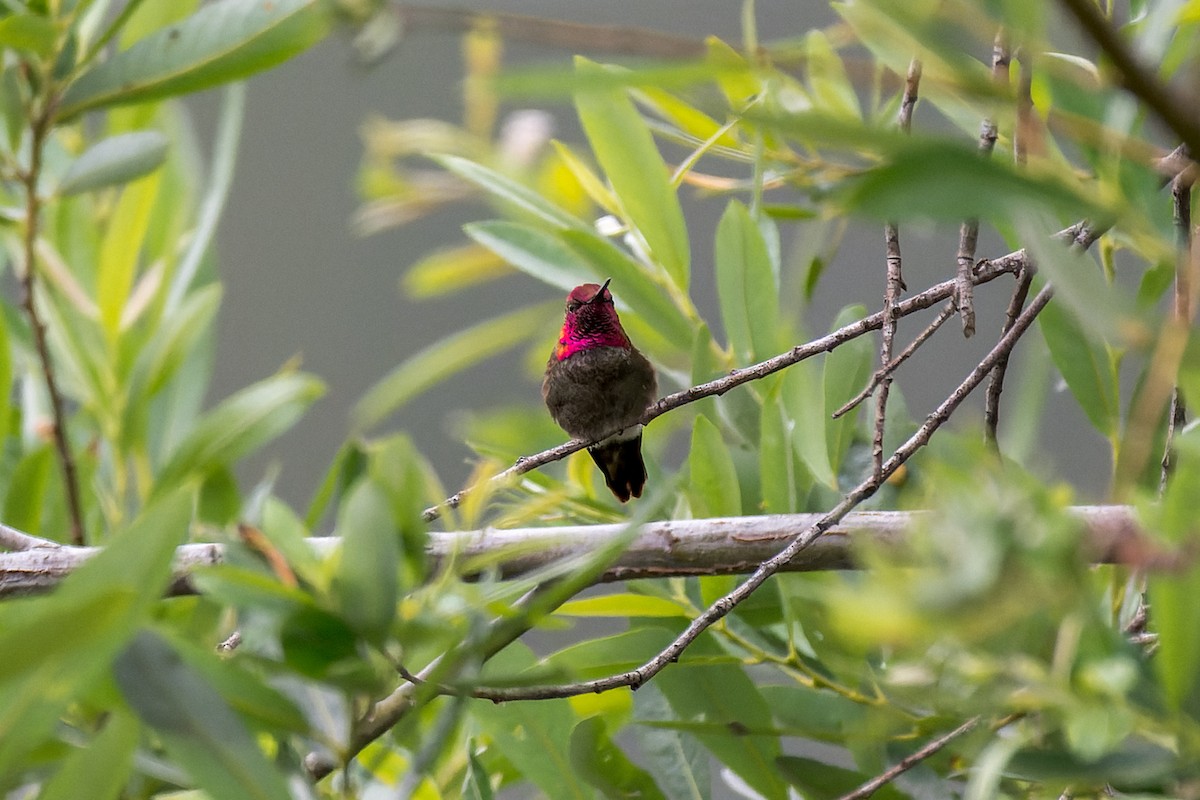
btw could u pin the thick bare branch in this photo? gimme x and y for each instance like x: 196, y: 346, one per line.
x: 725, y: 546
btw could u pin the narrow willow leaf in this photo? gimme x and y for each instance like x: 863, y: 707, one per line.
x: 731, y: 706
x: 1086, y: 366
x: 626, y: 150
x: 713, y: 482
x: 6, y: 381
x: 366, y: 581
x: 453, y: 269
x: 117, y: 159
x: 680, y: 763
x: 746, y: 286
x: 804, y: 398
x: 845, y: 372
x: 121, y: 249
x: 947, y: 180
x: 622, y: 604
x: 197, y: 728
x: 448, y: 357
x: 826, y: 77
x: 535, y: 252
x: 220, y: 177
x: 222, y: 42
x: 239, y: 425
x: 99, y: 770
x: 32, y: 32
x: 588, y: 180
x: 509, y: 192
x: 776, y: 462
x: 27, y: 487
x: 477, y: 783
x: 92, y: 615
x: 602, y: 764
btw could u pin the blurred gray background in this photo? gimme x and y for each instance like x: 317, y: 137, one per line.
x: 299, y: 281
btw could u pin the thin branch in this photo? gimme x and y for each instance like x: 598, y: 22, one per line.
x: 724, y: 605
x: 39, y: 130
x: 946, y: 313
x: 1176, y: 111
x: 968, y: 234
x: 1022, y: 137
x: 894, y: 282
x: 905, y: 764
x: 991, y: 410
x: 1181, y: 197
x: 674, y: 548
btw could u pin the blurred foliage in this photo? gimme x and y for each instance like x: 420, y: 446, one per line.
x: 810, y: 687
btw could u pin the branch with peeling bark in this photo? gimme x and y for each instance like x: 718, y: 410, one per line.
x: 674, y: 548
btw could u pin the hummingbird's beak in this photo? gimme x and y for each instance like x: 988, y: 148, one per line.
x: 600, y: 292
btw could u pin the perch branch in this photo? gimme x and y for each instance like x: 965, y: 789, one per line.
x: 723, y: 546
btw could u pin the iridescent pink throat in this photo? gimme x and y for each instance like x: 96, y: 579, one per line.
x: 573, y: 340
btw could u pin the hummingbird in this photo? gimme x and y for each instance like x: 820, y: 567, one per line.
x: 596, y: 383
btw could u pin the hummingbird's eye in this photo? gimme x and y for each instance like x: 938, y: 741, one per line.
x: 573, y: 305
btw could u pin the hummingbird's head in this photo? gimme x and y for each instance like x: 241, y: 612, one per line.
x: 591, y: 321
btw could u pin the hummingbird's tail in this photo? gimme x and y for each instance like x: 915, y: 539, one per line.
x: 622, y: 465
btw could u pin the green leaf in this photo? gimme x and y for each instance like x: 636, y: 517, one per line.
x: 777, y: 465
x: 477, y: 784
x: 622, y: 604
x: 448, y: 357
x: 197, y: 728
x: 602, y: 764
x: 746, y: 286
x: 92, y: 614
x: 246, y: 693
x: 239, y: 425
x: 366, y: 581
x: 606, y: 655
x: 121, y: 249
x: 533, y: 736
x: 509, y: 192
x: 949, y: 181
x: 1174, y: 592
x: 117, y: 159
x: 27, y: 488
x: 32, y: 32
x: 535, y: 252
x: 676, y: 758
x: 846, y: 371
x: 625, y: 149
x: 1086, y: 366
x: 737, y: 720
x: 222, y: 42
x: 804, y: 398
x: 826, y: 77
x: 713, y: 481
x: 99, y: 770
